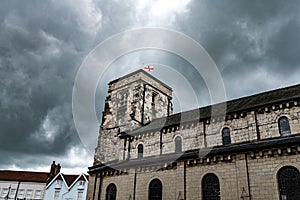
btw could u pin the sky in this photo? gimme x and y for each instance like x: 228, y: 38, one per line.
x: 254, y: 44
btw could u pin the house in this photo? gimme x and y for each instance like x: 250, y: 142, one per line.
x: 25, y: 184
x: 252, y: 151
x: 67, y: 187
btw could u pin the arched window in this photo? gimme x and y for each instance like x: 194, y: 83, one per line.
x: 289, y: 183
x: 284, y: 126
x: 210, y: 187
x: 226, y: 136
x: 111, y: 192
x: 178, y: 144
x: 155, y: 190
x: 140, y: 151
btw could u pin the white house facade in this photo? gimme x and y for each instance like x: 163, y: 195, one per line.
x: 67, y: 187
x: 22, y: 185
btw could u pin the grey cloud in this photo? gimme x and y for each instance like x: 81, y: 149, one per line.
x: 41, y: 47
x: 255, y: 45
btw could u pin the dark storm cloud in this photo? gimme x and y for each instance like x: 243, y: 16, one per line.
x: 255, y: 45
x: 244, y: 36
x: 41, y: 47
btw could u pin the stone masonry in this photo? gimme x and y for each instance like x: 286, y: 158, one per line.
x: 138, y: 111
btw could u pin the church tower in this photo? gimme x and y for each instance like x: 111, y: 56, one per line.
x: 133, y: 101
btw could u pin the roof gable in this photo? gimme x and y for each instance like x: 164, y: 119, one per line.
x: 68, y: 180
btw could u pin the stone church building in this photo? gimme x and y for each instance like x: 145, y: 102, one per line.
x: 146, y: 152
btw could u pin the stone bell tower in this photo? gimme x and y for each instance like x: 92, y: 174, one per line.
x: 133, y: 100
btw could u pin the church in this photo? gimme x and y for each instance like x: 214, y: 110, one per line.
x: 145, y: 151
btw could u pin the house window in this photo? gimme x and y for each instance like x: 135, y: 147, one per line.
x: 56, y: 194
x: 81, y: 185
x: 111, y: 192
x: 28, y: 194
x: 155, y: 190
x: 81, y: 182
x: 38, y: 194
x: 4, y: 192
x: 140, y: 151
x: 284, y: 126
x: 289, y: 183
x: 12, y: 193
x: 226, y: 136
x: 58, y: 184
x: 210, y: 187
x: 80, y: 195
x: 178, y: 144
x: 21, y: 194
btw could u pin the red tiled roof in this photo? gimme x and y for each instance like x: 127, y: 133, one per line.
x: 70, y: 179
x: 7, y: 175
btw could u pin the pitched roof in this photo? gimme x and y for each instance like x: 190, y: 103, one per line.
x: 69, y: 179
x: 25, y: 176
x: 233, y: 106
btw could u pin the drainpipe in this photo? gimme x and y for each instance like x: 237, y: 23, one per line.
x: 17, y: 190
x: 248, y: 179
x: 134, y: 184
x: 62, y: 196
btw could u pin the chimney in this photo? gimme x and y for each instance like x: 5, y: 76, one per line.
x: 57, y: 169
x: 52, y: 169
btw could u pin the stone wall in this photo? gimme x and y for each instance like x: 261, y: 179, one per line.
x: 263, y: 174
x: 236, y: 176
x: 241, y: 174
x: 242, y: 129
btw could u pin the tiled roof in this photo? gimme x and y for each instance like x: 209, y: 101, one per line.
x: 7, y: 175
x: 70, y: 179
x: 234, y: 106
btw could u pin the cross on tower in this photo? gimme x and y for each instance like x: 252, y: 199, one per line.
x: 148, y: 68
